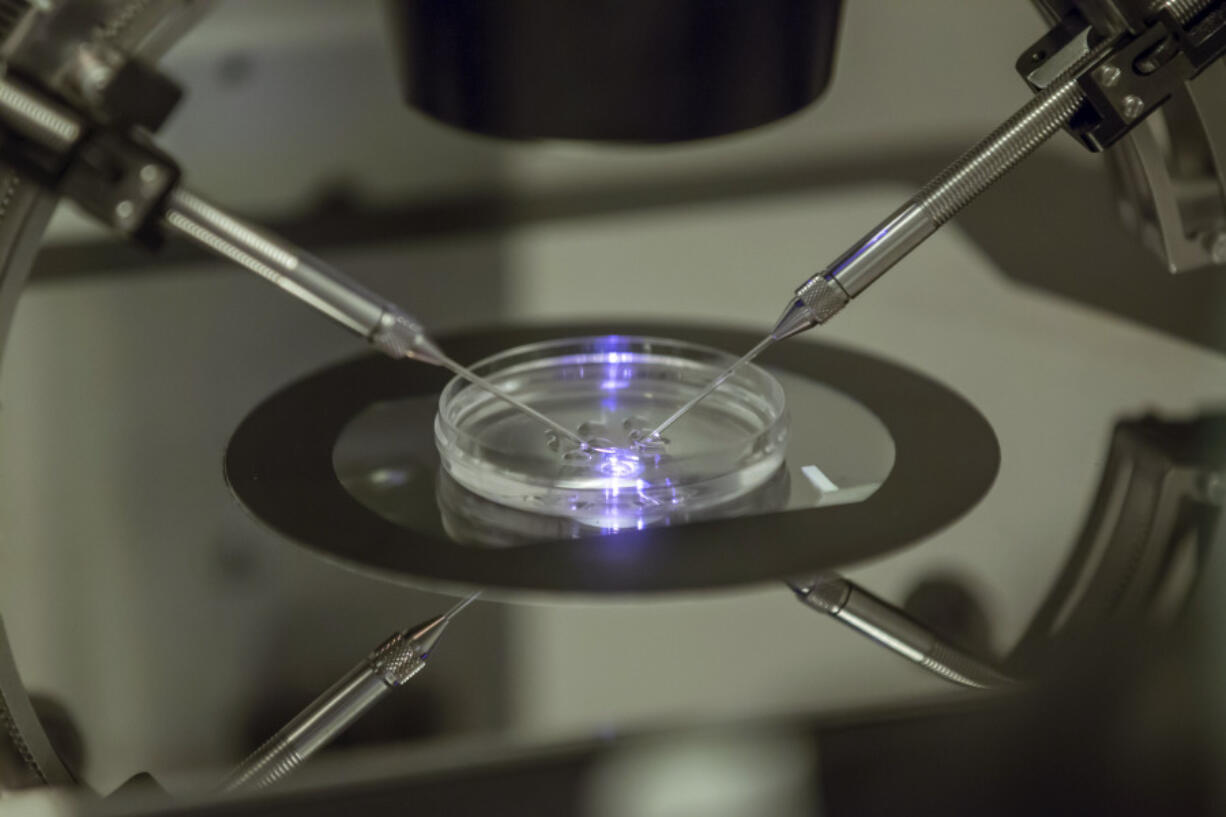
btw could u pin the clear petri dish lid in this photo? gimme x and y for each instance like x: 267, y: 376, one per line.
x: 612, y: 390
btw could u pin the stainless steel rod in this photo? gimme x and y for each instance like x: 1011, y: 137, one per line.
x: 323, y: 287
x: 390, y: 665
x: 822, y: 296
x: 308, y: 279
x: 315, y: 727
x: 893, y: 629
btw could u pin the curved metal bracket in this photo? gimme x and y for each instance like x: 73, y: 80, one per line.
x: 26, y: 755
x: 133, y: 26
x: 1169, y: 175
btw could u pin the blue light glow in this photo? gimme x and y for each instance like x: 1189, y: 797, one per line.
x: 863, y: 248
x: 620, y: 465
x: 629, y: 500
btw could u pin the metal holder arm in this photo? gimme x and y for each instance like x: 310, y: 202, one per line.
x: 56, y: 42
x: 1158, y: 506
x: 895, y: 630
x: 1156, y: 108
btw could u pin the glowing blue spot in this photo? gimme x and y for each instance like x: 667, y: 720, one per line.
x: 619, y: 467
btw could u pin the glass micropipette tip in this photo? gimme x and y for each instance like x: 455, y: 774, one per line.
x: 426, y: 635
x: 712, y: 386
x: 481, y: 382
x: 460, y: 605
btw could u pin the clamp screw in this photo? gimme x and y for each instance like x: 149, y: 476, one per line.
x: 152, y: 179
x: 1133, y: 105
x: 1213, y: 488
x: 124, y: 211
x: 1107, y: 75
x: 1217, y: 248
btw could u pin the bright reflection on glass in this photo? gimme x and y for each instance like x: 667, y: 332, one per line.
x: 619, y: 465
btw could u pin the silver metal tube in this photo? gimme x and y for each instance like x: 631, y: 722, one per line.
x: 886, y: 626
x: 311, y: 730
x: 36, y: 118
x: 1183, y: 10
x: 393, y: 662
x: 876, y: 252
x: 387, y: 327
x: 893, y: 629
x: 825, y: 294
x: 310, y: 280
x: 390, y: 665
x: 961, y: 182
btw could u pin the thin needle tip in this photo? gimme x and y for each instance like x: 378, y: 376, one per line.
x: 713, y: 385
x: 481, y: 382
x: 460, y: 605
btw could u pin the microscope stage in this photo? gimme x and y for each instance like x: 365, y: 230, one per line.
x: 344, y: 462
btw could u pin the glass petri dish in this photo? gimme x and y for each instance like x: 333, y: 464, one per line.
x: 611, y: 389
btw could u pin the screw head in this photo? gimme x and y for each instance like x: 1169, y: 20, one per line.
x: 152, y: 178
x: 1213, y: 488
x: 124, y: 211
x: 1133, y: 105
x: 1217, y: 248
x: 1107, y: 75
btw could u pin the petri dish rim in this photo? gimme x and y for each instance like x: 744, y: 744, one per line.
x: 540, y: 351
x: 724, y: 467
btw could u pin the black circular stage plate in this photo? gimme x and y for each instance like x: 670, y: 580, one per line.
x: 280, y: 464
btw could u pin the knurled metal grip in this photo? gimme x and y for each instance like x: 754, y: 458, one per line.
x: 396, y: 660
x: 823, y: 298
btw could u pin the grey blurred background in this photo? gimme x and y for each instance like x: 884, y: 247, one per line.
x: 177, y: 631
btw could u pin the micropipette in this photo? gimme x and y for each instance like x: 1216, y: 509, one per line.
x: 712, y: 386
x: 896, y: 630
x: 390, y: 665
x: 384, y: 325
x: 822, y: 296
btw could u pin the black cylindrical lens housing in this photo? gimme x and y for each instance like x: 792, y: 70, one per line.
x: 613, y: 70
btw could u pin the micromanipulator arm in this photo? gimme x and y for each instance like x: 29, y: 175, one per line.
x: 110, y: 169
x: 1100, y: 83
